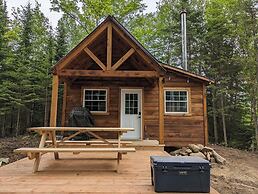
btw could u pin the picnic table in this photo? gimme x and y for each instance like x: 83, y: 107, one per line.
x: 67, y: 145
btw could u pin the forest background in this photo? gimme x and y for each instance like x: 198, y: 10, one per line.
x: 222, y: 45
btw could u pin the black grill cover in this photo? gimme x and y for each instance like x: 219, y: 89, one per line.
x: 81, y: 117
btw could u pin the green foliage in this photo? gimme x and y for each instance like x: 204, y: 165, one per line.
x: 61, y: 40
x: 222, y: 44
x: 84, y: 15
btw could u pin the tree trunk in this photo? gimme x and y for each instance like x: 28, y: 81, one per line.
x: 256, y: 93
x: 11, y: 130
x: 46, y: 114
x: 254, y: 121
x: 3, y: 126
x: 215, y: 130
x: 223, y: 120
x: 18, y: 122
x: 32, y: 114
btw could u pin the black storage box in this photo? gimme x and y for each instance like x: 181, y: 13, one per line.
x: 180, y: 174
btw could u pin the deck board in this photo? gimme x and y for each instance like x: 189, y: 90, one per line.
x: 81, y: 174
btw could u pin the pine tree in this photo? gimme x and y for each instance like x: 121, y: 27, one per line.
x: 4, y: 66
x: 61, y: 40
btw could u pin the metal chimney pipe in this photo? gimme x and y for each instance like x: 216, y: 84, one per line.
x: 183, y: 32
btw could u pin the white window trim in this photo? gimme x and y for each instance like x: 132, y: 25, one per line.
x: 187, y: 99
x: 91, y: 89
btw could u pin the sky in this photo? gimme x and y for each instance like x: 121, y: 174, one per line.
x: 54, y: 16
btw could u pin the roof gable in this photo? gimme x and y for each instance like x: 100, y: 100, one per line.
x: 134, y: 47
x: 76, y: 53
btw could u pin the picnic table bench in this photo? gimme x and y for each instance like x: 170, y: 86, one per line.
x: 66, y: 145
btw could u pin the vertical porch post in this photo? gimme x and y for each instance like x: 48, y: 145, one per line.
x: 205, y: 119
x: 53, y: 110
x: 64, y: 105
x: 161, y: 110
x: 54, y: 98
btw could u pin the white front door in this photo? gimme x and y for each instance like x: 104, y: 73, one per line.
x: 131, y: 111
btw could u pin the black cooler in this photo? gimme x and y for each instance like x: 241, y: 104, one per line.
x: 180, y: 174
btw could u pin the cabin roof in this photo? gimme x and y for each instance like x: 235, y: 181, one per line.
x: 162, y: 68
x: 184, y: 72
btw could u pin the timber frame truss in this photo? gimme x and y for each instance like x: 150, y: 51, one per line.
x: 108, y: 69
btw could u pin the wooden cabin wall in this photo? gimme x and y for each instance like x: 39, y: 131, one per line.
x: 178, y: 130
x: 112, y: 119
x: 181, y: 130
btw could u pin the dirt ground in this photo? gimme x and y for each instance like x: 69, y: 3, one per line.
x: 238, y: 176
x: 7, y: 145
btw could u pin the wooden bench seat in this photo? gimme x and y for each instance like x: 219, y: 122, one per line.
x: 38, y: 150
x: 90, y: 142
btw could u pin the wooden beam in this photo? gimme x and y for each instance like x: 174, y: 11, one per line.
x: 99, y: 73
x: 138, y: 50
x: 54, y: 98
x: 205, y: 119
x: 161, y: 110
x: 123, y: 59
x: 95, y: 58
x: 109, y: 47
x: 75, y: 52
x: 64, y: 105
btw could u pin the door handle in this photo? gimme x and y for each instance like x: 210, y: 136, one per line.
x: 139, y: 115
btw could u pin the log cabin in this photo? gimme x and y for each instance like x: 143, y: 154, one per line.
x: 123, y: 85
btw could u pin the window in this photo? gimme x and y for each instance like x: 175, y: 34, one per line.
x: 176, y: 101
x: 131, y: 104
x: 95, y: 100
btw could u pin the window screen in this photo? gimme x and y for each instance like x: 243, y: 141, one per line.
x: 95, y: 100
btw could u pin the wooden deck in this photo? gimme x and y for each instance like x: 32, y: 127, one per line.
x: 77, y: 175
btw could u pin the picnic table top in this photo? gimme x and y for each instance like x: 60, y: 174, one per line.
x: 104, y: 129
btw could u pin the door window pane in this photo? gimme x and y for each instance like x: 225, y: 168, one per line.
x: 131, y: 104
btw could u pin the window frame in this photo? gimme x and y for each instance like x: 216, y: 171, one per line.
x: 107, y: 99
x: 188, y: 92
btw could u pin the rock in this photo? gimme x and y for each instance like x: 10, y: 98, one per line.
x: 194, y: 148
x: 200, y: 146
x: 213, y: 160
x: 218, y: 158
x: 177, y: 151
x: 183, y: 154
x: 199, y: 154
x: 4, y: 160
x: 188, y: 151
x: 208, y: 156
x: 206, y: 149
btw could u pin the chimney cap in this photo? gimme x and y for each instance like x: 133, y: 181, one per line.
x: 183, y: 11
